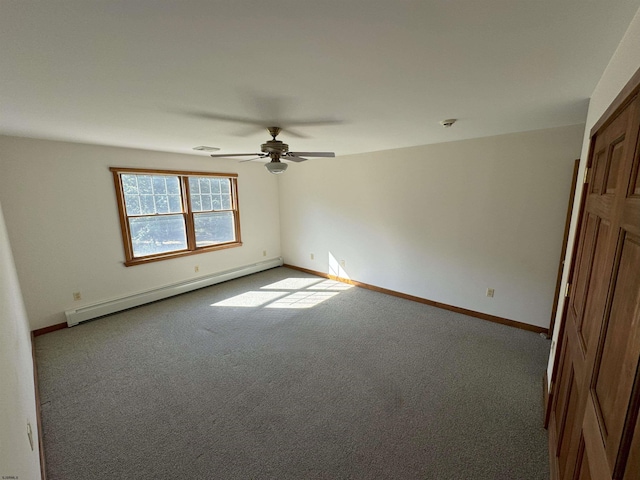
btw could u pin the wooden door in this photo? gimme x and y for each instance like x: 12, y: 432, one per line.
x: 593, y: 429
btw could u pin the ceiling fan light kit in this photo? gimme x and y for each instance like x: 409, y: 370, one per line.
x: 276, y: 150
x: 276, y: 167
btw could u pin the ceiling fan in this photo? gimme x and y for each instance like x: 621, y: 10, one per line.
x: 276, y: 150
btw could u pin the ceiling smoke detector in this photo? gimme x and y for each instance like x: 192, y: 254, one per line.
x: 447, y: 123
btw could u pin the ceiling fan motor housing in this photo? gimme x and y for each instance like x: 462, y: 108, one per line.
x: 274, y: 146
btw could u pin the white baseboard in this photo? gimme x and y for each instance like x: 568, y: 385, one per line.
x: 87, y: 312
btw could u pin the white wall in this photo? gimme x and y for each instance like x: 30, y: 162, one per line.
x: 624, y: 63
x: 61, y: 215
x: 442, y: 222
x: 17, y: 395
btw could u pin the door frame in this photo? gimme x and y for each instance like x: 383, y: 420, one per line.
x: 565, y: 306
x: 565, y: 241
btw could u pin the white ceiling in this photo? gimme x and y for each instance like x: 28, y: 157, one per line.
x: 137, y: 73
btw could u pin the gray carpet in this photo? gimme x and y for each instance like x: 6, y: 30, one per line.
x: 357, y: 385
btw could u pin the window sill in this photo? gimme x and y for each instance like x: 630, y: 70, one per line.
x: 182, y: 253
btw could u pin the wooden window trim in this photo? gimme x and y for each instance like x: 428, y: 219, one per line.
x: 183, y: 177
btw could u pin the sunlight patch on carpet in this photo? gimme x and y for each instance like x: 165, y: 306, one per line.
x: 287, y: 293
x: 249, y: 299
x: 330, y: 285
x: 302, y: 300
x: 291, y: 283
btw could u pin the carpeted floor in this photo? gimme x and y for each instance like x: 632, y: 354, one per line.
x: 283, y: 375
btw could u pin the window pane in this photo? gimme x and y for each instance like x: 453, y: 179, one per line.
x: 206, y: 202
x: 159, y: 186
x: 194, y: 185
x: 196, y: 203
x: 225, y: 185
x: 175, y: 204
x: 205, y: 186
x: 162, y: 204
x: 147, y: 206
x: 132, y: 204
x: 217, y: 204
x: 152, y: 235
x: 129, y: 184
x: 226, y: 202
x: 215, y: 187
x: 213, y: 228
x: 173, y: 186
x: 144, y: 184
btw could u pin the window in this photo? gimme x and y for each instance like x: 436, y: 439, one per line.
x: 166, y: 214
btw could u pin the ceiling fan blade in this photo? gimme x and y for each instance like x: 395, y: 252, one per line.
x: 251, y: 159
x: 249, y: 131
x: 287, y: 126
x: 294, y: 133
x: 224, y: 118
x: 313, y: 154
x: 293, y: 158
x: 276, y: 110
x: 314, y: 123
x: 225, y: 155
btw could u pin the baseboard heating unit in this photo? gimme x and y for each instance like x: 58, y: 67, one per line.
x: 95, y: 310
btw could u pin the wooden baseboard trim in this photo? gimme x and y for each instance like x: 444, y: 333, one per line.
x: 43, y: 470
x: 50, y: 328
x: 444, y: 306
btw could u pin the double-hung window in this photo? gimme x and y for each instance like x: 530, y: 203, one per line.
x: 165, y: 213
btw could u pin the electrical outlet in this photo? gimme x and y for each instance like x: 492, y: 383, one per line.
x: 312, y: 256
x: 76, y: 296
x: 196, y: 269
x: 490, y: 292
x: 264, y: 253
x: 342, y: 263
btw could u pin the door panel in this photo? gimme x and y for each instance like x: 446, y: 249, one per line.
x: 598, y: 166
x: 634, y: 185
x: 615, y: 375
x: 597, y: 291
x: 583, y: 273
x: 566, y: 410
x: 613, y: 166
x: 583, y: 472
x: 594, y: 449
x: 632, y: 471
x: 568, y: 428
x: 561, y: 402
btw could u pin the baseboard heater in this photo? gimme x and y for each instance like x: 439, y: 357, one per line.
x: 88, y: 312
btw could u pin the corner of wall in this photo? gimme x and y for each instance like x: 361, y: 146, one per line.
x: 19, y: 448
